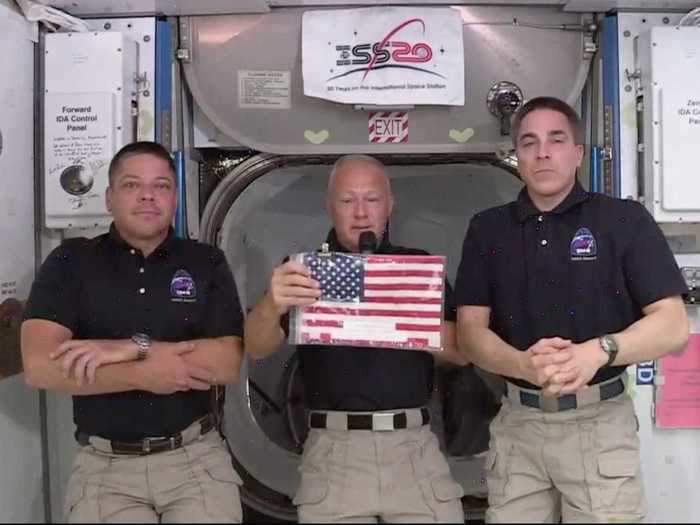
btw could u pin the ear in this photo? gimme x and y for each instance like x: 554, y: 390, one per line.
x: 391, y: 205
x: 579, y: 155
x: 108, y: 199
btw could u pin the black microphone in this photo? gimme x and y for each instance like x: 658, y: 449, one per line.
x: 367, y: 243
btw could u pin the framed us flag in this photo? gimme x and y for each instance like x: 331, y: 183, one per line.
x: 387, y: 301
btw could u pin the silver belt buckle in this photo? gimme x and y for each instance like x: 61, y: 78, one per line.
x: 549, y: 404
x: 383, y: 422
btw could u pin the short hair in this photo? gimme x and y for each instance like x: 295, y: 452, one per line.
x: 143, y: 147
x: 357, y: 157
x: 551, y: 103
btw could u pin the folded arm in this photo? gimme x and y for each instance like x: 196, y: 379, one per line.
x: 55, y: 361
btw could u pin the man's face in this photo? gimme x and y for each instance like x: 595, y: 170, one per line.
x: 547, y: 154
x: 142, y: 197
x: 359, y: 199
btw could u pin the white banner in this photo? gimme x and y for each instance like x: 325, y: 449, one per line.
x: 384, y: 55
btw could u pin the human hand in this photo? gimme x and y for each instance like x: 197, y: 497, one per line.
x: 587, y: 358
x: 544, y: 359
x: 82, y: 357
x: 291, y: 285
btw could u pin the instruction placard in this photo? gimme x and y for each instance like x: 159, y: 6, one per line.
x: 680, y: 136
x: 79, y: 143
x: 264, y: 89
x: 678, y: 394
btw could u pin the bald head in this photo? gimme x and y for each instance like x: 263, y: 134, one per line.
x: 358, y: 198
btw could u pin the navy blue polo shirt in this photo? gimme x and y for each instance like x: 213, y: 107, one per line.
x: 102, y: 288
x: 359, y: 379
x: 582, y: 270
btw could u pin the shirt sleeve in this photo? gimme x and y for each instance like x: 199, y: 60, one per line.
x: 650, y: 268
x: 224, y: 315
x: 450, y: 310
x: 55, y: 292
x: 471, y: 284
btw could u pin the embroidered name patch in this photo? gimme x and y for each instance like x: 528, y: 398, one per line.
x: 583, y: 246
x: 182, y: 287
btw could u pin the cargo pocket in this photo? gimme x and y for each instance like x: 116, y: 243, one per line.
x: 75, y: 493
x: 81, y: 505
x: 441, y: 494
x: 443, y: 497
x: 313, y: 487
x: 446, y: 489
x: 619, y: 487
x: 220, y: 485
x: 496, y: 476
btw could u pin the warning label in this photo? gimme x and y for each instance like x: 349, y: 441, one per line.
x: 264, y: 89
x: 388, y: 126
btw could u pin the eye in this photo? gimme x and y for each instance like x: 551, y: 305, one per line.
x: 130, y: 185
x: 526, y: 144
x: 163, y: 186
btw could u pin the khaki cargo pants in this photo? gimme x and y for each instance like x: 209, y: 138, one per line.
x: 580, y: 465
x: 192, y: 484
x: 361, y: 476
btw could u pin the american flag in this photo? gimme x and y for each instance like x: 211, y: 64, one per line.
x: 390, y: 301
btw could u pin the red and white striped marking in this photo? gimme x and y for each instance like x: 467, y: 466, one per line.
x: 388, y: 126
x: 400, y: 305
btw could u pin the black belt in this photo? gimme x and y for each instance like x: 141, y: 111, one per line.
x: 150, y: 445
x: 395, y: 420
x: 607, y: 390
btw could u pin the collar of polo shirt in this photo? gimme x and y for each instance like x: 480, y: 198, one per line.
x: 162, y: 250
x: 335, y: 246
x: 525, y: 207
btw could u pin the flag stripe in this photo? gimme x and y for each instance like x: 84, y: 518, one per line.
x: 400, y: 273
x: 403, y: 300
x: 332, y: 305
x: 323, y: 322
x: 398, y: 335
x: 413, y: 343
x: 436, y: 281
x: 401, y: 286
x: 408, y: 327
x: 406, y: 259
x: 368, y: 311
x: 404, y: 293
x: 404, y: 266
x: 369, y: 318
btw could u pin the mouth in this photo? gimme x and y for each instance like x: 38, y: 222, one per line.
x: 147, y: 213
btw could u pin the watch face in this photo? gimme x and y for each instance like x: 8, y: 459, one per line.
x: 609, y: 344
x: 141, y: 339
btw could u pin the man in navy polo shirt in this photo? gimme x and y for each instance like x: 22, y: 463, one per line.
x: 370, y: 454
x: 558, y: 292
x: 139, y: 326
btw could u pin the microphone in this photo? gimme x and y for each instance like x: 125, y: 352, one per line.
x: 367, y: 242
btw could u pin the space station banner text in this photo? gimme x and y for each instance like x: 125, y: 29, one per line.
x: 384, y: 56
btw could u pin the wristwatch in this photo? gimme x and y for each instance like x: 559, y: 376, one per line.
x: 143, y: 342
x: 609, y: 346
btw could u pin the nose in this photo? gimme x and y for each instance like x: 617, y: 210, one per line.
x: 543, y: 150
x: 360, y: 208
x: 146, y: 193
